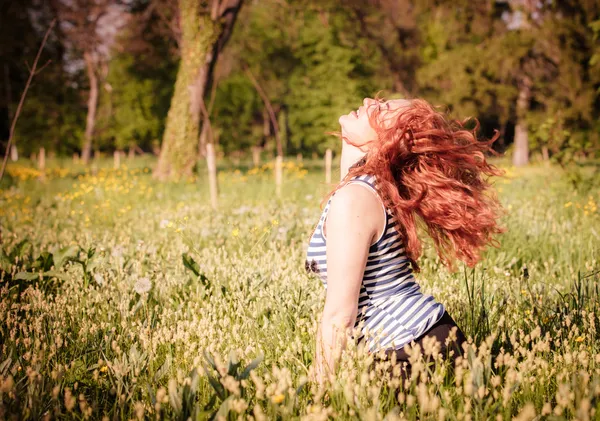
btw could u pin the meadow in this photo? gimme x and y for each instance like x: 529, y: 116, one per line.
x: 124, y: 298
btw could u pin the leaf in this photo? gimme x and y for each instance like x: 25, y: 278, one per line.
x: 5, y: 263
x: 26, y: 276
x: 174, y: 398
x: 210, y: 359
x: 191, y: 264
x: 64, y: 255
x: 19, y: 250
x: 253, y: 364
x: 233, y: 364
x: 225, y: 408
x: 4, y: 366
x: 163, y: 370
x: 216, y: 385
x: 55, y: 274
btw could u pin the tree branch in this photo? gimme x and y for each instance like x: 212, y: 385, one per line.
x: 22, y: 100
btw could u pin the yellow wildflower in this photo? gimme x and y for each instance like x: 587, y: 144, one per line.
x: 103, y: 369
x: 235, y: 232
x: 579, y: 339
x: 275, y: 222
x: 568, y: 204
x: 278, y: 398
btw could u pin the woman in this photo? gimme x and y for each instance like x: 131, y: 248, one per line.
x: 406, y: 158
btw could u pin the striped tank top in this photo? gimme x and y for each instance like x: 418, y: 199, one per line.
x: 392, y: 311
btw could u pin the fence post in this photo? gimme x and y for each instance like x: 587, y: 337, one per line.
x: 278, y: 174
x: 117, y: 160
x: 256, y: 156
x: 14, y: 153
x: 42, y: 159
x: 328, y: 154
x: 211, y: 163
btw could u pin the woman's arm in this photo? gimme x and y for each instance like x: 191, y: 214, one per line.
x: 352, y: 222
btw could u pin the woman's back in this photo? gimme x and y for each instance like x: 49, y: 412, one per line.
x: 390, y: 299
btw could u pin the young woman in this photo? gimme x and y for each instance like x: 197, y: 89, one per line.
x: 403, y: 164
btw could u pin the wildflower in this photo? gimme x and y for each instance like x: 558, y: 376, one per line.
x: 579, y: 339
x: 103, y: 369
x: 568, y: 204
x: 235, y: 232
x: 99, y: 279
x: 278, y: 398
x: 275, y: 222
x: 142, y: 285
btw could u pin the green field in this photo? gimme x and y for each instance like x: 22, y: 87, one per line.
x: 119, y: 296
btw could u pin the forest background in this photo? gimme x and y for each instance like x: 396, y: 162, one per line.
x: 280, y: 72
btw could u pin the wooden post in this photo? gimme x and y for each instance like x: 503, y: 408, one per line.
x: 14, y: 153
x: 131, y: 154
x: 42, y: 159
x: 211, y: 163
x: 278, y: 174
x: 256, y: 155
x: 328, y: 166
x: 117, y: 160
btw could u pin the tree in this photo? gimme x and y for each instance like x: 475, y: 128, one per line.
x: 90, y: 27
x: 204, y: 31
x: 140, y: 80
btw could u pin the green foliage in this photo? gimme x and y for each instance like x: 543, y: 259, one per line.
x: 237, y: 113
x: 135, y: 103
x: 43, y: 271
x: 321, y: 87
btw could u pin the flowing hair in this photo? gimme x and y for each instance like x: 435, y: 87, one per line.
x: 432, y: 172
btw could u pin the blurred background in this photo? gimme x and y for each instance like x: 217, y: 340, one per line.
x: 167, y: 77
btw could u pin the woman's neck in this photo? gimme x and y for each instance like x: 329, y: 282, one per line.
x: 350, y: 155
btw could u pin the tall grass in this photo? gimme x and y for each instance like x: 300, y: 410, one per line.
x: 123, y: 298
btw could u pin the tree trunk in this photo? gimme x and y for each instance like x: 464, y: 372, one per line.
x: 270, y: 112
x: 202, y: 37
x: 521, y: 147
x: 86, y: 151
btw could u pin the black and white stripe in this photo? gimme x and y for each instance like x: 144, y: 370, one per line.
x: 390, y: 300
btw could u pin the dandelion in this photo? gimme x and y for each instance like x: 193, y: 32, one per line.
x: 579, y: 339
x: 235, y: 232
x: 278, y: 398
x: 142, y: 285
x: 99, y: 279
x: 103, y: 369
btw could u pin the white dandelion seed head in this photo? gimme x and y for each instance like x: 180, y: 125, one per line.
x: 117, y: 251
x: 142, y: 285
x: 99, y: 279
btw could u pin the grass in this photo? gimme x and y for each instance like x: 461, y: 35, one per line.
x: 123, y: 298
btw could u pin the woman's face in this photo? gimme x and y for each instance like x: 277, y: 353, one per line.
x: 356, y: 127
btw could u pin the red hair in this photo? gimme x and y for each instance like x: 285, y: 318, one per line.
x: 432, y: 171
